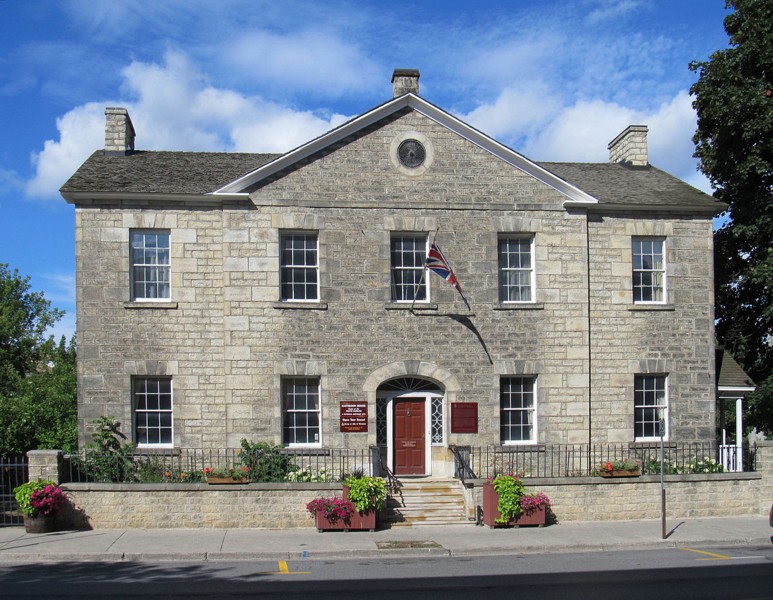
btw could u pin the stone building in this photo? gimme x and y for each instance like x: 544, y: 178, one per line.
x: 283, y: 298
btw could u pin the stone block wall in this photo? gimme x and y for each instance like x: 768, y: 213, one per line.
x: 227, y: 342
x: 102, y: 506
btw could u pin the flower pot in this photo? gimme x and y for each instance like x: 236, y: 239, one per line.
x: 226, y: 480
x: 39, y: 524
x: 491, y: 512
x: 628, y: 473
x: 357, y: 522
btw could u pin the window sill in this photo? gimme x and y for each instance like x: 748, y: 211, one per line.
x: 650, y: 444
x: 301, y: 305
x: 531, y: 446
x: 409, y: 306
x: 519, y: 306
x: 650, y: 307
x: 159, y: 305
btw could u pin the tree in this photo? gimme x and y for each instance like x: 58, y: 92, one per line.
x: 734, y: 142
x: 38, y: 399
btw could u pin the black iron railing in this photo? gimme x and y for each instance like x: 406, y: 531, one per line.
x: 582, y: 460
x: 305, y: 465
x: 13, y: 472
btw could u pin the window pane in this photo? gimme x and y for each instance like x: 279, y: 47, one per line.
x: 517, y: 409
x: 515, y: 269
x: 153, y: 420
x: 648, y: 263
x: 299, y: 266
x: 150, y: 265
x: 408, y: 254
x: 650, y: 399
x: 300, y: 406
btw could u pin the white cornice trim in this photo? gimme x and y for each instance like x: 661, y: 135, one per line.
x: 428, y: 110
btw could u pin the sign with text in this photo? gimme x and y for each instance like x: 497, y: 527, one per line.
x: 354, y: 416
x: 464, y: 417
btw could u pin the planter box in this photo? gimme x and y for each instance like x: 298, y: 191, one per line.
x: 631, y: 473
x: 358, y: 521
x: 226, y: 480
x: 39, y: 524
x: 491, y: 512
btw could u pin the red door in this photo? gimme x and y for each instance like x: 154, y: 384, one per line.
x: 409, y: 427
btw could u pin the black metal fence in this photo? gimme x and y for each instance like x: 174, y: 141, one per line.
x: 13, y: 472
x: 193, y: 465
x: 582, y: 460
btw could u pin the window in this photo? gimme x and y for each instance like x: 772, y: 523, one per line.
x: 649, y: 270
x: 152, y: 411
x: 650, y: 401
x: 408, y: 252
x: 299, y: 266
x: 300, y: 411
x: 517, y: 410
x: 150, y: 265
x: 516, y: 269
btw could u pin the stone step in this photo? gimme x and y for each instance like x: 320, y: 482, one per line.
x: 427, y: 502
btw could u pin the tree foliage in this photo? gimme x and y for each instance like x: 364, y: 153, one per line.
x: 734, y: 142
x: 38, y: 398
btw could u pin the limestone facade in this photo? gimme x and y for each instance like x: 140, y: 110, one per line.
x: 227, y: 341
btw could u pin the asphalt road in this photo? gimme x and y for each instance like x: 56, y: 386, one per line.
x: 676, y: 573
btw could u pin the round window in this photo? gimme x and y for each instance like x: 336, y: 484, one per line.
x: 411, y: 154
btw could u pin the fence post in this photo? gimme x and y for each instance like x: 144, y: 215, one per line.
x: 45, y: 464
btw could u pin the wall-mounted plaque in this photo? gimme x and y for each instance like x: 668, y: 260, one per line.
x: 354, y: 416
x: 464, y: 417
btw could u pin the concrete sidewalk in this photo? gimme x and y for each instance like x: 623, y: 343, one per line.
x: 456, y: 540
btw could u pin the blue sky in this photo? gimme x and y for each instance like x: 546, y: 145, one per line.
x: 553, y: 79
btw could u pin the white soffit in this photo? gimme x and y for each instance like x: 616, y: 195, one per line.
x: 431, y: 111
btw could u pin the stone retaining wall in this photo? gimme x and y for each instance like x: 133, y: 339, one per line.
x: 283, y: 505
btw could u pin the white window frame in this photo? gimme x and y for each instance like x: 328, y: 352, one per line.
x: 137, y: 411
x: 644, y: 266
x: 532, y: 410
x: 420, y: 270
x: 660, y: 386
x: 503, y: 270
x: 287, y: 381
x: 151, y: 265
x: 301, y: 268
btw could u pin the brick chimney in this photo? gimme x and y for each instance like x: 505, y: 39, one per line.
x: 119, y: 132
x: 404, y: 81
x: 630, y: 147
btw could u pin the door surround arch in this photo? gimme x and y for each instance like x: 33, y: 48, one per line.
x: 443, y: 379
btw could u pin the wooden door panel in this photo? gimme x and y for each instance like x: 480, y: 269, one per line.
x: 409, y: 438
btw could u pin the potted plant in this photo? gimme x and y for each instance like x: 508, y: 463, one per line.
x: 507, y: 504
x: 39, y: 501
x: 368, y: 496
x: 534, y: 509
x: 620, y: 468
x: 227, y: 475
x: 331, y: 513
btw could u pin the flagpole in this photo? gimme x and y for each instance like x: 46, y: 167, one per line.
x: 423, y: 271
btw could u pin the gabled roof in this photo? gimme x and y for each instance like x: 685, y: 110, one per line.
x: 617, y: 185
x: 196, y: 173
x: 730, y: 375
x: 214, y: 176
x: 430, y: 111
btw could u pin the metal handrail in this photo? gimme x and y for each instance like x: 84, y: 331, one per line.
x: 393, y: 483
x: 462, y: 468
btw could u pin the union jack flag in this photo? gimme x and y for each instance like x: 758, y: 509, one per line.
x: 437, y: 263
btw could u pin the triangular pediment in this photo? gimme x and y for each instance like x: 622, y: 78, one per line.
x: 386, y: 110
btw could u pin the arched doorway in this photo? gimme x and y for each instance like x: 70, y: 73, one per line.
x: 410, y: 415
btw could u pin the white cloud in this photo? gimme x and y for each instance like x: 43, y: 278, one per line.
x: 81, y: 131
x: 175, y: 109
x: 305, y: 60
x: 612, y: 9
